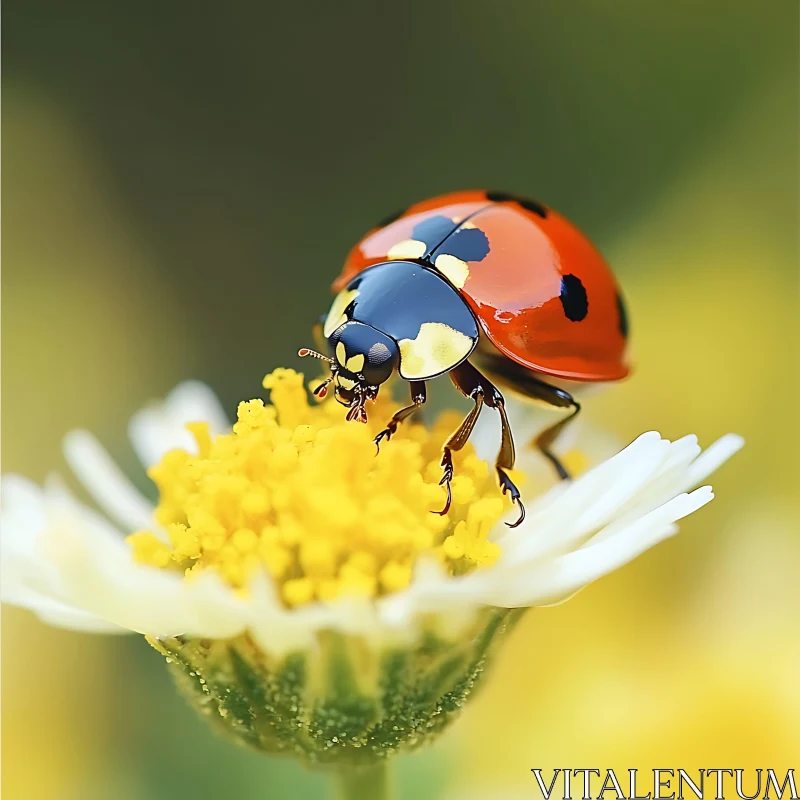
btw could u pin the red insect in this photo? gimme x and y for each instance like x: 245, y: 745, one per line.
x: 488, y: 287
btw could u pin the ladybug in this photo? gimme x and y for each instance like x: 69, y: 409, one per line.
x: 488, y: 287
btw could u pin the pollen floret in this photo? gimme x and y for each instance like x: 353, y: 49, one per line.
x: 298, y: 492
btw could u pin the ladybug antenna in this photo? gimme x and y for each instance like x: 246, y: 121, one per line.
x: 304, y: 351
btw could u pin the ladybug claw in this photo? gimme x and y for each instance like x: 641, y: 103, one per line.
x: 447, y: 464
x: 386, y: 433
x: 449, y: 500
x: 521, y: 515
x: 507, y: 486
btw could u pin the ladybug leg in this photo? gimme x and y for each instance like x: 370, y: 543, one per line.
x: 418, y: 397
x: 539, y: 390
x: 546, y: 438
x: 473, y: 384
x: 526, y: 383
x: 505, y: 460
x: 457, y: 440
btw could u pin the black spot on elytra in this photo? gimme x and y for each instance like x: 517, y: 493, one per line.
x: 499, y: 197
x: 529, y: 205
x: 573, y: 298
x: 532, y: 205
x: 623, y: 316
x: 433, y: 230
x: 468, y: 244
x: 391, y: 218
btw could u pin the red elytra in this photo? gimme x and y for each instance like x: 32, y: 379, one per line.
x: 494, y: 290
x: 542, y: 293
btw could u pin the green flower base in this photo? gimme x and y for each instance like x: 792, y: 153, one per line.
x: 342, y: 704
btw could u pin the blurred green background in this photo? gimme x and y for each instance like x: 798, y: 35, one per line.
x: 182, y: 182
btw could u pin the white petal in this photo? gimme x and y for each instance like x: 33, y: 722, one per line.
x: 273, y: 627
x: 63, y: 616
x: 570, y: 511
x: 29, y: 580
x: 713, y: 458
x: 679, y: 474
x: 436, y: 598
x: 667, y: 481
x: 23, y: 513
x: 106, y: 483
x: 161, y: 427
x: 100, y: 576
x: 551, y: 580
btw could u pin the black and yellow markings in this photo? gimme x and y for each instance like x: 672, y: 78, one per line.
x: 416, y: 307
x: 354, y: 363
x: 345, y: 382
x: 337, y: 316
x: 425, y: 237
x: 407, y: 248
x: 453, y: 268
x: 448, y: 244
x: 437, y: 348
x: 453, y: 256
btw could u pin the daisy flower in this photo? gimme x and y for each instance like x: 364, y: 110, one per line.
x: 299, y: 587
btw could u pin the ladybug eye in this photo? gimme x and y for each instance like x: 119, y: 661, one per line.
x: 365, y: 352
x: 380, y: 361
x: 378, y: 353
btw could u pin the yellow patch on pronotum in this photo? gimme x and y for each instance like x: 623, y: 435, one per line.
x: 454, y: 269
x: 436, y: 349
x: 336, y: 315
x: 408, y: 248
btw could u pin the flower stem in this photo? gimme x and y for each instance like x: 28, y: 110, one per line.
x: 364, y: 783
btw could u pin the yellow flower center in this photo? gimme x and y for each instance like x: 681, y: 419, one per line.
x: 296, y: 490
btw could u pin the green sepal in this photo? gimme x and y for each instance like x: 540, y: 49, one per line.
x: 344, y: 703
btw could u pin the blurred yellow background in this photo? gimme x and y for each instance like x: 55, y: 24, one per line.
x: 182, y: 183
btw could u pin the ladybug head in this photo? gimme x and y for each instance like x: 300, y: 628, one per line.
x: 364, y: 359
